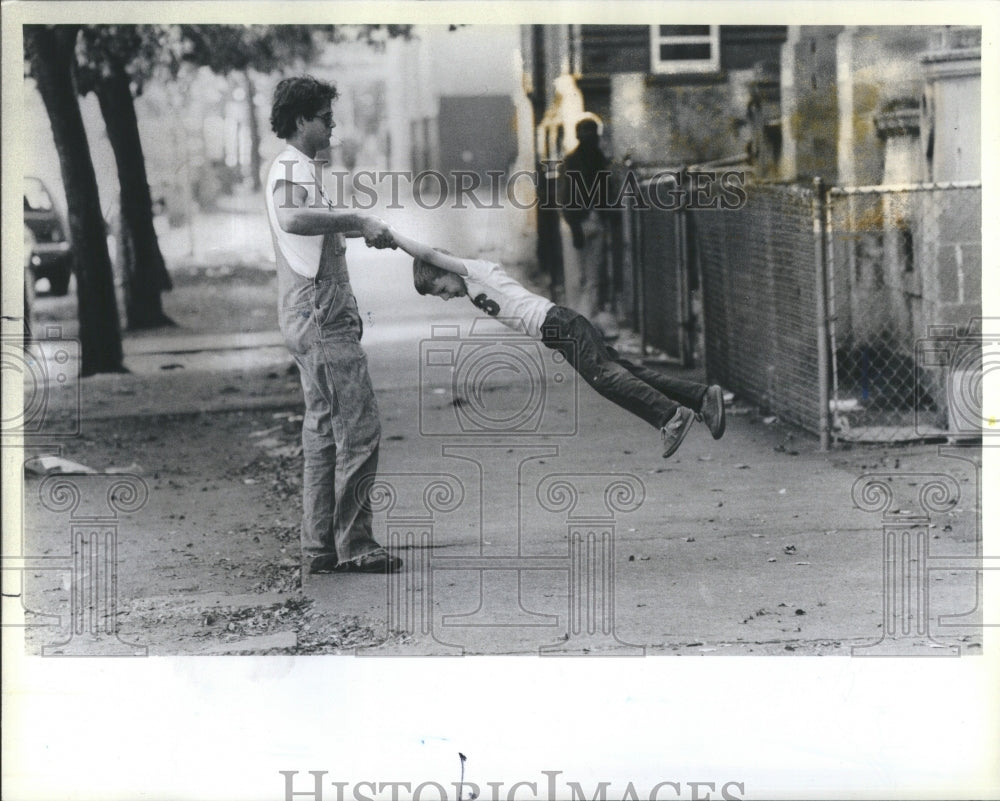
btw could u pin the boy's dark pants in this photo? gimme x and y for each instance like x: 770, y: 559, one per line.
x: 646, y: 393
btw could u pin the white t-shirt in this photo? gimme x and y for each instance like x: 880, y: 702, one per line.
x: 500, y: 296
x: 301, y: 252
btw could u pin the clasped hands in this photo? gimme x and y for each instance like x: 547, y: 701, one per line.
x: 377, y: 233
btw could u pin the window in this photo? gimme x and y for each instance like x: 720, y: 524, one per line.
x: 677, y: 49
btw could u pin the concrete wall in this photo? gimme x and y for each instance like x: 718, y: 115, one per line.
x: 835, y: 81
x: 666, y: 124
x: 952, y: 111
x: 810, y: 113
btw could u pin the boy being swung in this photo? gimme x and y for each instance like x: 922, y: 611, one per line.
x: 669, y: 404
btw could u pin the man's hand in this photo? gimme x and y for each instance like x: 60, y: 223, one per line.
x: 377, y: 233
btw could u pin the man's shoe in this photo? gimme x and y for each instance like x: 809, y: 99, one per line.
x: 375, y: 562
x: 713, y: 411
x: 324, y: 563
x: 676, y: 429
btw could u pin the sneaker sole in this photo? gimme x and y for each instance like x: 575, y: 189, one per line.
x: 677, y: 443
x: 720, y: 408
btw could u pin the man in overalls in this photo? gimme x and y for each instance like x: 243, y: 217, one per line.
x: 319, y: 318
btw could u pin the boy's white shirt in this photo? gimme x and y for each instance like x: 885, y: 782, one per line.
x: 515, y: 306
x: 300, y: 251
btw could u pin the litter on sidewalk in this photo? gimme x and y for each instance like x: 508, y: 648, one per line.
x: 52, y: 465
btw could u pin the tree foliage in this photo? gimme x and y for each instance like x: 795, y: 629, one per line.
x: 143, y: 51
x: 274, y: 48
x: 266, y: 49
x: 115, y: 62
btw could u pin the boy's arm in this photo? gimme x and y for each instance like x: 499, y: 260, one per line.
x: 296, y: 217
x: 426, y: 253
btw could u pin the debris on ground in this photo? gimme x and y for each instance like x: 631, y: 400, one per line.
x: 56, y: 465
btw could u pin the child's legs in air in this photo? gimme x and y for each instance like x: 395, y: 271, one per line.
x: 686, y: 393
x: 576, y: 338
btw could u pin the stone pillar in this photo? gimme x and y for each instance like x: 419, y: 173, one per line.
x: 898, y: 126
x: 764, y: 116
x: 903, y: 215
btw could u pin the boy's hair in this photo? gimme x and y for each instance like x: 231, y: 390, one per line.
x: 425, y: 273
x: 298, y: 97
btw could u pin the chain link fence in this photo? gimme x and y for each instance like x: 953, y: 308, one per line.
x: 759, y: 296
x: 905, y: 265
x: 819, y: 305
x: 662, y: 289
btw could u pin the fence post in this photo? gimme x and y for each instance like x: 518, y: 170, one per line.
x: 640, y: 283
x: 631, y: 265
x: 628, y: 260
x: 684, y: 288
x: 822, y: 352
x: 832, y: 312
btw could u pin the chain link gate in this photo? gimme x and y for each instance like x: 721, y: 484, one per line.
x: 658, y: 236
x: 762, y: 286
x: 905, y: 265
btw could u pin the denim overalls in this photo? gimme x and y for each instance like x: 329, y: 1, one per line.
x: 340, y: 431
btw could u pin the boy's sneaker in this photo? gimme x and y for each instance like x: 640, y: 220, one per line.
x: 676, y: 429
x: 713, y: 411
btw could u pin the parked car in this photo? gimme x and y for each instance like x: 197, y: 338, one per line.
x: 51, y: 255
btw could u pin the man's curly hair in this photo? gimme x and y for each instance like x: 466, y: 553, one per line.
x: 298, y: 97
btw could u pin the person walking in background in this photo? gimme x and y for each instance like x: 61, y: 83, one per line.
x: 319, y: 319
x: 583, y: 197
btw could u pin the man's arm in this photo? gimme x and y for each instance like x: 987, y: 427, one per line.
x: 296, y: 216
x: 426, y: 253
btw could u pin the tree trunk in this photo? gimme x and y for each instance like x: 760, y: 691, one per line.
x: 255, y: 164
x: 143, y: 269
x: 51, y: 51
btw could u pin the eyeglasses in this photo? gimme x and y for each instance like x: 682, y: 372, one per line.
x: 327, y: 118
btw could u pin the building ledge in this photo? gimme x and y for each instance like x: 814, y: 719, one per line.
x: 962, y: 54
x: 898, y: 122
x: 963, y: 63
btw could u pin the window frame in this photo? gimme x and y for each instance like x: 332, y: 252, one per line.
x: 689, y: 66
